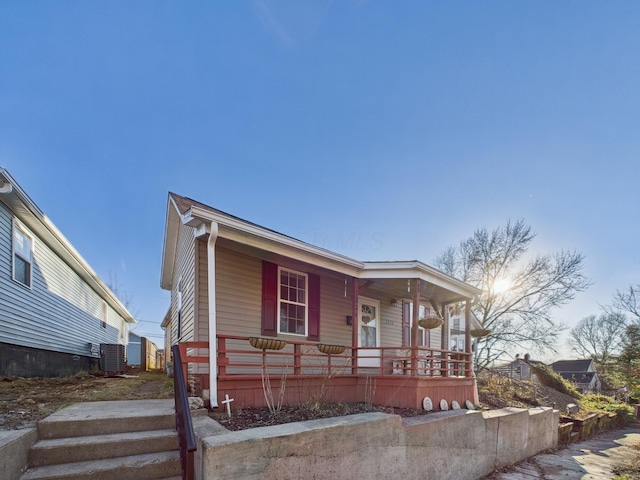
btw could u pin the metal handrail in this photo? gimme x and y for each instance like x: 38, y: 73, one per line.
x: 184, y: 424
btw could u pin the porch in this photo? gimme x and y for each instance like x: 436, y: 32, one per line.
x: 300, y: 373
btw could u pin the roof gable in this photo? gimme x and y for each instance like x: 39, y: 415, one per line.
x: 200, y: 216
x: 582, y: 365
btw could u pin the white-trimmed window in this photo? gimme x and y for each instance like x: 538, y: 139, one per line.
x: 293, y: 301
x: 22, y: 256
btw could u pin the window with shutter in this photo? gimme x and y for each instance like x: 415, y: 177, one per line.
x: 290, y: 302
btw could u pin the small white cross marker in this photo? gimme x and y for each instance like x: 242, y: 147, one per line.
x: 227, y: 401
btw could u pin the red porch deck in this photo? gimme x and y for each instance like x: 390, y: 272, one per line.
x: 390, y: 376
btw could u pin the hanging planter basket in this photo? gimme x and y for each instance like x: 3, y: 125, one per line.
x: 430, y: 322
x: 330, y: 349
x: 480, y: 332
x: 267, y: 343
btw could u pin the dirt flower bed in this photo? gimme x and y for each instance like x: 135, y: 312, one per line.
x: 244, y: 418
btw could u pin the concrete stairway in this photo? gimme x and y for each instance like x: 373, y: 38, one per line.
x: 130, y: 439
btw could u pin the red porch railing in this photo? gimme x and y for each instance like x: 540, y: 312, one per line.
x: 236, y: 357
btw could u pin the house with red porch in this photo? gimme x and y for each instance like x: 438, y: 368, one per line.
x: 256, y: 311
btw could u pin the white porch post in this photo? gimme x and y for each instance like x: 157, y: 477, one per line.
x: 213, y: 341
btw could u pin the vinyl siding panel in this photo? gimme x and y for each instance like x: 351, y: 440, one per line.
x: 238, y: 309
x: 60, y: 312
x: 184, y: 278
x: 239, y: 292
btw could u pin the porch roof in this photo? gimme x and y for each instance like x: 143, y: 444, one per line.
x: 388, y: 275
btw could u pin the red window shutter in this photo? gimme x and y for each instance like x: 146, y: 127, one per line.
x: 314, y: 308
x: 406, y: 323
x: 269, y: 299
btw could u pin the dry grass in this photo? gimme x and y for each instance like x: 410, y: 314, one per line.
x: 24, y: 401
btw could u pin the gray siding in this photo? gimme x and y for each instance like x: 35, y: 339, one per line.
x: 60, y: 312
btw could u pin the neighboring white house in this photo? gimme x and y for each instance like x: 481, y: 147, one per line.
x: 54, y: 309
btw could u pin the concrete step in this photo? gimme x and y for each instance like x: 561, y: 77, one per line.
x: 102, y: 418
x: 98, y: 447
x: 135, y: 467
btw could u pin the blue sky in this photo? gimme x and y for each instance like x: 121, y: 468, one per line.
x: 381, y: 130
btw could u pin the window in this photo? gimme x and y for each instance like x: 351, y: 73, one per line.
x: 22, y: 257
x: 292, y: 301
x: 179, y: 305
x: 424, y: 336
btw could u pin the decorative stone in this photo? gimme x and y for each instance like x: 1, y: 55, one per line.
x: 455, y: 405
x: 469, y: 404
x: 444, y: 405
x: 195, y: 403
x: 572, y: 408
x: 427, y: 404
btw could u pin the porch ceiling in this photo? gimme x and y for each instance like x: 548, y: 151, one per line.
x: 401, y: 288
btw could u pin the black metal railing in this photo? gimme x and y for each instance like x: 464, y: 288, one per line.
x: 184, y: 425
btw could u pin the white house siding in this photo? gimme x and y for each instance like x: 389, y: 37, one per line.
x: 59, y: 312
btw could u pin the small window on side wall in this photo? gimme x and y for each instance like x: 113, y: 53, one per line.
x: 22, y: 256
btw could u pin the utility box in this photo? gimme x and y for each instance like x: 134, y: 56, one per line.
x: 112, y: 358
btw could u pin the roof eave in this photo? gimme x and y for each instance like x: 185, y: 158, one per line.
x: 50, y: 234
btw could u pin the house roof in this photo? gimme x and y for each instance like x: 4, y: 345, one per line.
x: 12, y: 195
x: 198, y: 215
x: 571, y: 365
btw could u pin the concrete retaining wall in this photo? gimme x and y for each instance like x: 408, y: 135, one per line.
x: 14, y: 451
x: 458, y: 445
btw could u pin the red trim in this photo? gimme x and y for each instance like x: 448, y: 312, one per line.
x: 269, y: 299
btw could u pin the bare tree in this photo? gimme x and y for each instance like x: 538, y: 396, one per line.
x: 599, y: 337
x: 628, y: 301
x: 518, y: 294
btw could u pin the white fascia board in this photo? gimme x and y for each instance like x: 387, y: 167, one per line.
x: 415, y: 269
x: 170, y: 245
x: 255, y: 236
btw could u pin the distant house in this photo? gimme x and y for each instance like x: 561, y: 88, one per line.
x: 390, y: 332
x: 580, y: 372
x: 520, y: 368
x: 55, y: 311
x: 143, y: 353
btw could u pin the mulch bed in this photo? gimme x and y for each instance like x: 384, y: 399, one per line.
x: 252, y: 417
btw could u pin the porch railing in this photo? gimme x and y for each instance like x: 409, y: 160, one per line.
x: 236, y: 357
x: 184, y: 425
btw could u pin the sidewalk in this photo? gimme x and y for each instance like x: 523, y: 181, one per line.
x: 592, y: 459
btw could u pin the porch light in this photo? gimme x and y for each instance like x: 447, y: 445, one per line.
x: 394, y: 302
x: 349, y: 320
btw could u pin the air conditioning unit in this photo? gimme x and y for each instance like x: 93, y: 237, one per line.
x: 112, y: 357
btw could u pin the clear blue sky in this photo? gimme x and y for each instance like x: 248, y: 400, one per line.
x: 381, y: 130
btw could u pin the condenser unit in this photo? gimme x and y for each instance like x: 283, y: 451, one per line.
x: 112, y: 357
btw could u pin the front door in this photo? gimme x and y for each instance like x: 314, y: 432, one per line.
x: 368, y: 332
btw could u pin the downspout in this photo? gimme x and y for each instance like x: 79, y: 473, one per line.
x: 213, y: 341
